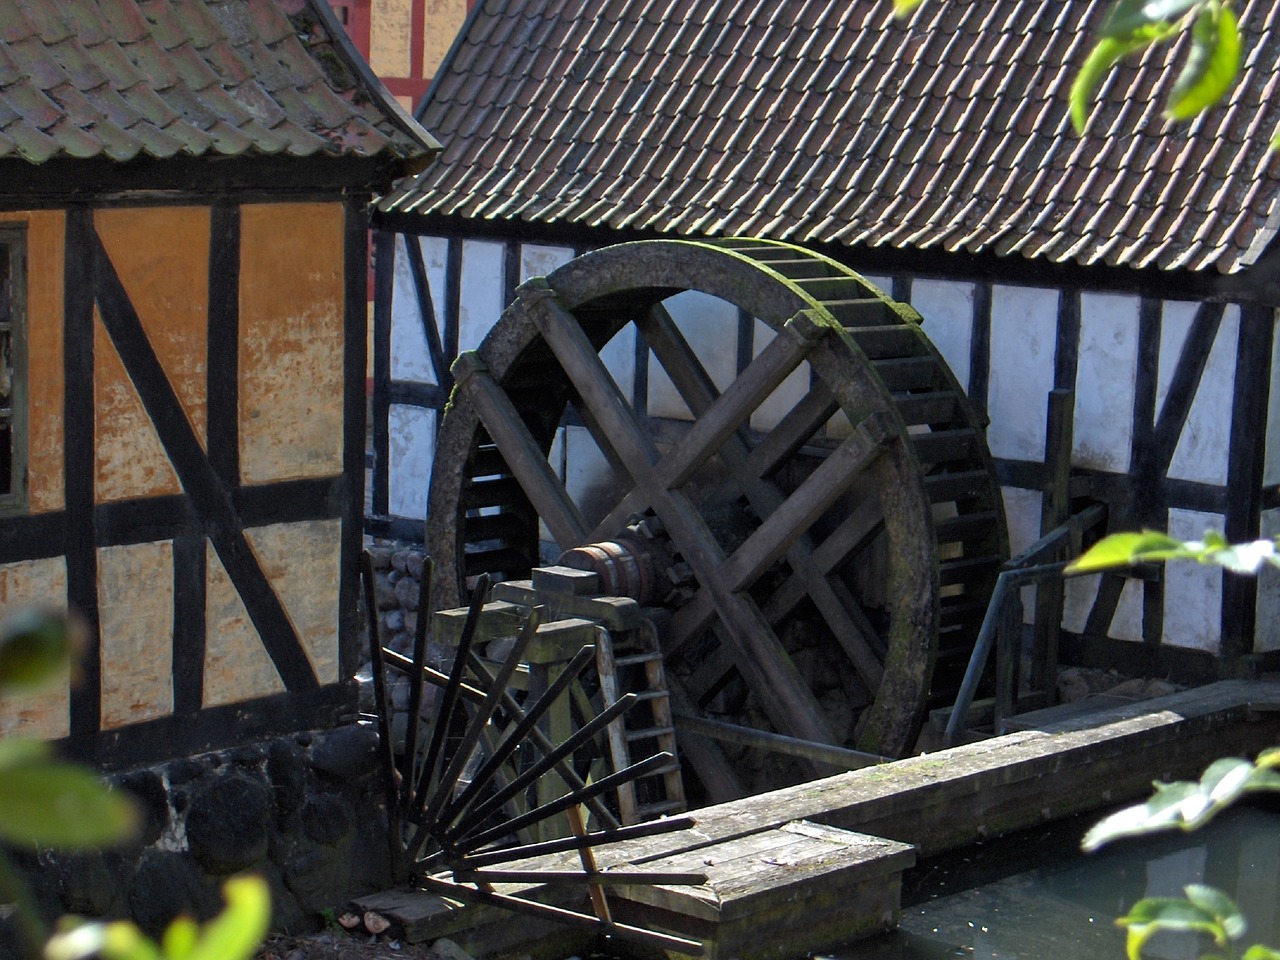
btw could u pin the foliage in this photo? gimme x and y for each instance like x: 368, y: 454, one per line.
x: 45, y: 803
x: 1210, y: 67
x: 232, y: 935
x: 1187, y: 805
x: 1149, y: 546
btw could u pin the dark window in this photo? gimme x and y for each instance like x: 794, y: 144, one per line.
x: 13, y: 301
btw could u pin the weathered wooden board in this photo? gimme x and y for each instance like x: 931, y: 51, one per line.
x: 780, y: 893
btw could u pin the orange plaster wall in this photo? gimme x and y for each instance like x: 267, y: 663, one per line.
x: 291, y: 341
x: 46, y: 237
x: 162, y: 257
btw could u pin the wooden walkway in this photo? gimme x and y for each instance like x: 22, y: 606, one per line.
x: 811, y: 866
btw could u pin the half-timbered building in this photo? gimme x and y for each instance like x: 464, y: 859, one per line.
x: 1109, y: 300
x: 183, y: 194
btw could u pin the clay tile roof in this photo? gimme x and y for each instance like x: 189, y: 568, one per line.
x: 823, y: 121
x: 120, y: 79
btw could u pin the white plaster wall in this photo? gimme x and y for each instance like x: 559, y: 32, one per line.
x: 538, y: 260
x: 1271, y: 468
x: 788, y: 393
x: 1108, y: 361
x: 947, y: 309
x: 710, y: 325
x: 1175, y: 321
x: 1267, y: 634
x: 412, y: 450
x: 1192, y: 591
x: 410, y: 359
x: 619, y: 356
x: 1022, y: 513
x: 588, y: 477
x: 482, y: 299
x: 1024, y: 323
x: 1203, y: 448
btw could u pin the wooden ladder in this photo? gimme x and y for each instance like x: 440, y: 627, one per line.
x: 650, y: 720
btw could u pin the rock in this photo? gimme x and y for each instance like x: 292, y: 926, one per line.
x: 227, y: 824
x: 317, y: 877
x: 411, y: 623
x: 413, y: 564
x: 446, y: 949
x: 407, y: 593
x: 380, y: 558
x: 393, y: 620
x: 148, y: 790
x: 346, y: 753
x: 383, y: 590
x: 87, y: 884
x: 400, y: 561
x: 183, y: 770
x: 287, y: 774
x: 376, y: 923
x: 165, y: 885
x: 247, y: 757
x: 327, y: 820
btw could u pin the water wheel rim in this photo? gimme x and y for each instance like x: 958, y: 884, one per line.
x: 760, y: 278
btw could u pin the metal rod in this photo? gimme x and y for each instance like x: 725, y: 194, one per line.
x: 408, y: 765
x: 395, y: 849
x: 545, y: 744
x: 443, y: 711
x: 778, y: 743
x: 520, y: 905
x: 550, y: 809
x: 484, y: 712
x: 398, y: 661
x: 580, y: 736
x: 564, y: 844
x: 515, y: 737
x: 1007, y: 580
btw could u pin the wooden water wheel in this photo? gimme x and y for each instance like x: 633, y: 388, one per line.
x: 868, y: 515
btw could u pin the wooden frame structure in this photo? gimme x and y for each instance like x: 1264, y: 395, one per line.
x: 195, y: 363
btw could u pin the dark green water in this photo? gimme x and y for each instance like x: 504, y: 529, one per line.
x: 1049, y: 902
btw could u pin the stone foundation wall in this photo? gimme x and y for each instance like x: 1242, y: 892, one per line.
x: 303, y: 811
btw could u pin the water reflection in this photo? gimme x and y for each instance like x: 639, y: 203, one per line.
x: 1065, y: 904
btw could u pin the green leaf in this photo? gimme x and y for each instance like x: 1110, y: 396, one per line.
x: 1129, y: 16
x: 18, y: 751
x: 180, y: 938
x: 1220, y: 905
x: 61, y: 806
x: 902, y: 8
x: 1212, y: 65
x: 236, y: 932
x: 1260, y: 952
x: 35, y: 645
x: 1148, y: 917
x: 1124, y: 549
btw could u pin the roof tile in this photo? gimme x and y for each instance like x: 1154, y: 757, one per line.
x: 119, y: 78
x: 828, y: 120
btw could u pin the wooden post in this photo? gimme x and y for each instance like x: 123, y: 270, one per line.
x: 1055, y: 508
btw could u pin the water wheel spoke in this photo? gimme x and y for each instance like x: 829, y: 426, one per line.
x: 522, y: 453
x: 586, y: 371
x: 720, y: 419
x: 793, y: 431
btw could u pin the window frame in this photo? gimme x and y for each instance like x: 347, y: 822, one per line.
x: 14, y: 502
